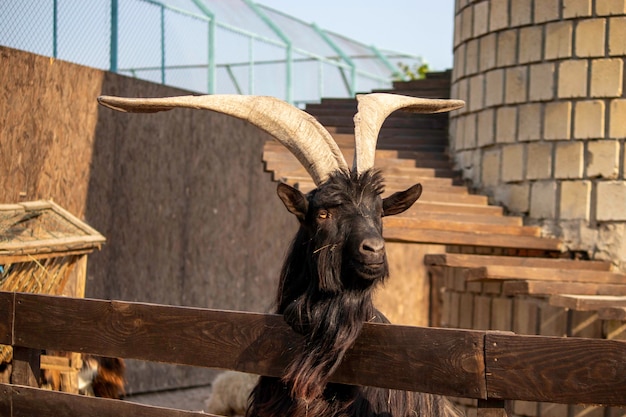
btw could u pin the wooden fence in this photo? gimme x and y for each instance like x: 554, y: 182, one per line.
x: 493, y: 367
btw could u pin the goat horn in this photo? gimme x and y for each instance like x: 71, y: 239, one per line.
x: 297, y: 130
x: 374, y: 108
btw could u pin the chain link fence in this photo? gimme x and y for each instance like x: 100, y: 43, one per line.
x: 182, y: 44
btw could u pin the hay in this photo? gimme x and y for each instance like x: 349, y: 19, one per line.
x: 41, y: 246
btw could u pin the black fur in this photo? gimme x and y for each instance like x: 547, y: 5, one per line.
x: 325, y: 293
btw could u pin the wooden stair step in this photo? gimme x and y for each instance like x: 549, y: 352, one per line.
x: 470, y: 238
x: 392, y: 174
x: 415, y: 152
x: 471, y: 209
x: 423, y: 84
x: 503, y: 272
x: 587, y: 302
x: 290, y: 161
x: 390, y: 167
x: 389, y: 132
x: 434, y: 160
x: 613, y: 313
x: 348, y: 112
x: 451, y: 225
x: 545, y: 288
x: 432, y: 192
x: 299, y: 175
x: 401, y: 146
x: 337, y: 101
x: 434, y: 93
x: 347, y: 139
x: 494, y: 219
x: 411, y: 147
x: 476, y: 261
x: 391, y: 122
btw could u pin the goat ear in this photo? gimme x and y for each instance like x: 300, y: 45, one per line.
x: 401, y: 201
x: 294, y: 200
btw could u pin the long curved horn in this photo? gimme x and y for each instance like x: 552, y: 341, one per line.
x: 297, y: 130
x: 374, y: 108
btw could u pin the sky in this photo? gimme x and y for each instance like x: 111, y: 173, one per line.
x: 418, y: 27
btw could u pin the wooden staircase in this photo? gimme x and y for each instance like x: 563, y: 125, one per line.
x: 457, y: 261
x: 459, y: 233
x: 412, y: 148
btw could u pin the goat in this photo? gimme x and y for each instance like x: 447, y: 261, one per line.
x: 337, y: 257
x: 230, y: 393
x: 98, y: 376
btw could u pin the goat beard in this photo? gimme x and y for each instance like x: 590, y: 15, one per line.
x: 333, y: 323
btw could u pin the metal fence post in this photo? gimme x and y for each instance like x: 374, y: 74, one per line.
x: 251, y: 65
x: 352, y: 83
x: 211, y: 51
x: 288, y: 48
x: 395, y: 71
x: 114, y: 33
x: 55, y: 28
x: 162, y: 45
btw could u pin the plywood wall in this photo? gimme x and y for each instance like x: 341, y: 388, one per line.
x: 189, y: 214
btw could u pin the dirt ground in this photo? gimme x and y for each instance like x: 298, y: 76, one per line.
x: 190, y: 399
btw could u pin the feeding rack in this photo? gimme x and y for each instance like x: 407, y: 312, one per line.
x: 43, y: 249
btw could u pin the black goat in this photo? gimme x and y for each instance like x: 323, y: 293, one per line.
x: 325, y: 293
x: 337, y: 257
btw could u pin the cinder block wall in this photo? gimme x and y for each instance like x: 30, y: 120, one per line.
x: 545, y: 121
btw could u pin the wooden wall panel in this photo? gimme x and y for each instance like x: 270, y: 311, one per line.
x: 189, y: 214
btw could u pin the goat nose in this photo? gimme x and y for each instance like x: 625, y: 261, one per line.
x: 372, y: 246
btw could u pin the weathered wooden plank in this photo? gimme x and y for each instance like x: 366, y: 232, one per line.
x: 6, y: 318
x: 241, y: 341
x: 531, y: 287
x: 546, y: 274
x: 502, y: 314
x: 452, y: 225
x: 525, y: 316
x: 303, y: 178
x: 462, y: 217
x: 409, y: 357
x: 482, y: 313
x: 10, y: 259
x: 26, y: 369
x: 553, y: 369
x: 584, y: 324
x: 470, y: 238
x: 5, y: 400
x: 49, y: 245
x: 272, y: 150
x: 553, y: 320
x: 425, y: 361
x: 612, y: 313
x: 587, y: 302
x: 27, y: 402
x: 475, y: 261
x: 440, y: 207
x: 436, y: 190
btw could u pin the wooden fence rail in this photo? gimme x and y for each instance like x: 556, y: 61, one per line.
x: 483, y: 365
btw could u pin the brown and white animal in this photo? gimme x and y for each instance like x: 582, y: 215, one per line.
x: 337, y: 257
x: 98, y: 376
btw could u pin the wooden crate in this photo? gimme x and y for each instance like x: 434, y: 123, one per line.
x: 43, y: 249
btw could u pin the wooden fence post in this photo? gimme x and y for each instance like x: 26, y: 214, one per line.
x: 26, y: 366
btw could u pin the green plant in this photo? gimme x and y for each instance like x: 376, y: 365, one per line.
x: 408, y: 73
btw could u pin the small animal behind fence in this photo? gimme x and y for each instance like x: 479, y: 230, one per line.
x: 337, y: 258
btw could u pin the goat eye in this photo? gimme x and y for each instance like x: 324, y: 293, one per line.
x: 323, y: 214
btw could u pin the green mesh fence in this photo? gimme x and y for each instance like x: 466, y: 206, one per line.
x: 205, y: 46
